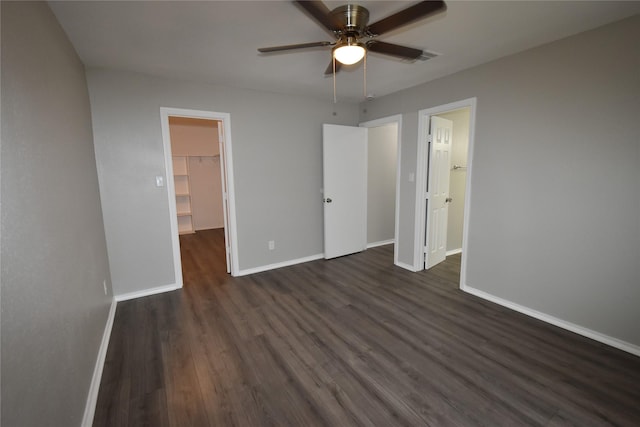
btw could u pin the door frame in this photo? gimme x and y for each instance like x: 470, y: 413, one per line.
x: 424, y: 121
x: 227, y: 166
x: 397, y: 119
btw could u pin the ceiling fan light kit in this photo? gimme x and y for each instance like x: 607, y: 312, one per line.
x: 354, y: 37
x: 349, y: 52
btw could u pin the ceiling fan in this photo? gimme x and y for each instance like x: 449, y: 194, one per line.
x: 354, y: 37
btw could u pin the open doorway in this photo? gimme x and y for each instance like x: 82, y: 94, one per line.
x: 197, y: 150
x: 383, y: 156
x: 445, y: 150
x: 197, y: 179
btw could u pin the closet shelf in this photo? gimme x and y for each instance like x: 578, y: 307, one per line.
x: 181, y: 178
x: 195, y: 155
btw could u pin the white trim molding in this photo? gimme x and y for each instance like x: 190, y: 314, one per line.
x: 406, y: 266
x: 94, y: 387
x: 454, y: 252
x: 147, y: 292
x: 380, y: 243
x: 580, y: 330
x: 279, y: 265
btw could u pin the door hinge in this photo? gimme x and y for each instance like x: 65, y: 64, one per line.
x: 430, y: 138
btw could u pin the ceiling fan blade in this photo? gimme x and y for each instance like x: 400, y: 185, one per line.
x: 410, y: 14
x: 329, y: 69
x: 293, y: 46
x: 391, y: 49
x: 320, y: 12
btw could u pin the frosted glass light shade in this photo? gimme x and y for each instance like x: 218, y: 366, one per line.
x: 349, y: 54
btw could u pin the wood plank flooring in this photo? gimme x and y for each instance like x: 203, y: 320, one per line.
x: 353, y: 341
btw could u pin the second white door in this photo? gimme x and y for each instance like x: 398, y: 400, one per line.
x: 438, y: 191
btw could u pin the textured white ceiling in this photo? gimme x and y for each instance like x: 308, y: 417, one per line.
x: 216, y: 41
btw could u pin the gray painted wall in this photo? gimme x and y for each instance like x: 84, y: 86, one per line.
x: 54, y: 255
x: 382, y: 153
x: 457, y: 177
x: 555, y: 203
x: 277, y: 160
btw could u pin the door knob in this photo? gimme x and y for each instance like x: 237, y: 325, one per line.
x: 328, y: 200
x: 448, y: 200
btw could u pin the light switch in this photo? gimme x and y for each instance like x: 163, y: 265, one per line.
x: 412, y: 177
x: 159, y: 181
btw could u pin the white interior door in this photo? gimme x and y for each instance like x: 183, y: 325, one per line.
x: 225, y: 195
x: 438, y: 191
x: 345, y: 189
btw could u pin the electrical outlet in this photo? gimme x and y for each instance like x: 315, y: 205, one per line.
x: 104, y: 285
x: 272, y: 245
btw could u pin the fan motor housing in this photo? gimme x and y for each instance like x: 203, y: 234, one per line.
x: 354, y: 18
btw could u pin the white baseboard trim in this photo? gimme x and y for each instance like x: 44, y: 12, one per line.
x: 380, y: 243
x: 146, y: 292
x: 580, y: 330
x: 92, y: 397
x: 454, y: 252
x: 405, y: 266
x: 279, y: 265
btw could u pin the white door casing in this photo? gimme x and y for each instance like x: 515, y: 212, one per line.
x: 424, y: 117
x: 225, y: 197
x: 344, y: 189
x: 226, y: 169
x: 437, y: 195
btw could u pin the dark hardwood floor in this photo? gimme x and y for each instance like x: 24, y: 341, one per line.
x: 348, y: 342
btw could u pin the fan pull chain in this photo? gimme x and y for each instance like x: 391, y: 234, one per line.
x: 365, y: 75
x: 333, y: 60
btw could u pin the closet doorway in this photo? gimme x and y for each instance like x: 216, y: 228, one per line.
x: 195, y: 155
x: 200, y: 184
x: 443, y: 190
